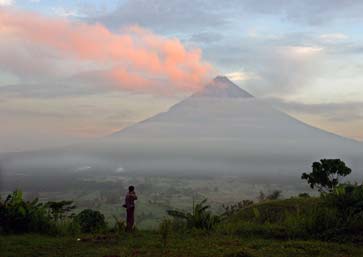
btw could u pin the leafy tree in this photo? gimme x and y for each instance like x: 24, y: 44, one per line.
x: 91, y: 221
x: 326, y: 174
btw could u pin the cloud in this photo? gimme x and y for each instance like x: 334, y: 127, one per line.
x: 346, y: 111
x: 6, y: 2
x: 180, y: 15
x: 241, y: 76
x: 164, y: 16
x: 282, y: 70
x: 310, y: 12
x: 284, y: 42
x: 44, y: 90
x: 206, y: 37
x: 66, y: 12
x: 133, y: 59
x: 333, y: 37
x: 343, y: 118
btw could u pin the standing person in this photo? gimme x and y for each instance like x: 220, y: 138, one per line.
x: 130, y: 208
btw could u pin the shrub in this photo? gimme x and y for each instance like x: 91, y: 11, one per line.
x: 348, y: 201
x: 66, y: 227
x: 18, y: 216
x: 91, y: 221
x: 73, y: 227
x: 347, y: 198
x: 314, y: 222
x: 200, y: 218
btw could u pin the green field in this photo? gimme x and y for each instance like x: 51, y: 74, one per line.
x: 145, y: 243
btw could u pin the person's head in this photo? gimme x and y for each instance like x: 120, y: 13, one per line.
x: 131, y: 188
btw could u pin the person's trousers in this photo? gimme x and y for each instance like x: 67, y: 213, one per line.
x: 130, y: 218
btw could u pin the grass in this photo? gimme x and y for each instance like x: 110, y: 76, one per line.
x: 148, y: 243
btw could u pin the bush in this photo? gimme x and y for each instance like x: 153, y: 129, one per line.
x: 314, y: 222
x: 91, y: 221
x: 348, y: 201
x: 73, y: 227
x: 332, y: 216
x: 19, y: 216
x: 66, y: 227
x: 347, y: 198
x: 200, y: 218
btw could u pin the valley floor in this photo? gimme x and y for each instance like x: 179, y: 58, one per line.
x: 149, y: 244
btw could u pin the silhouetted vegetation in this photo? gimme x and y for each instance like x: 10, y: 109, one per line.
x: 60, y: 210
x: 17, y: 215
x: 276, y: 194
x: 326, y: 174
x: 91, y: 221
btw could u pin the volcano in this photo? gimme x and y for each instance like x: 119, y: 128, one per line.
x: 221, y: 129
x: 224, y: 111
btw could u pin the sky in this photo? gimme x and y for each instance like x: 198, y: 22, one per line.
x: 71, y: 71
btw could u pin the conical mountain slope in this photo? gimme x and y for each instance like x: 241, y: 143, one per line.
x: 225, y: 129
x: 222, y: 110
x: 221, y: 129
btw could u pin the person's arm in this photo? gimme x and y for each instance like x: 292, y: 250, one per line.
x: 134, y: 196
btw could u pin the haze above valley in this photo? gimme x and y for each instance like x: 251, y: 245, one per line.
x: 73, y: 72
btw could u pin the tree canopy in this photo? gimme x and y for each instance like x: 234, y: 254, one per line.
x: 326, y: 174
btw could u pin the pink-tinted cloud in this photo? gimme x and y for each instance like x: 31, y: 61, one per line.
x: 132, y: 59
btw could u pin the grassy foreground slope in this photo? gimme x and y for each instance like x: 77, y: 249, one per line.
x: 330, y: 225
x: 148, y: 244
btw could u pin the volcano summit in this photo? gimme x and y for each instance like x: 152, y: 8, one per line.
x: 220, y: 130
